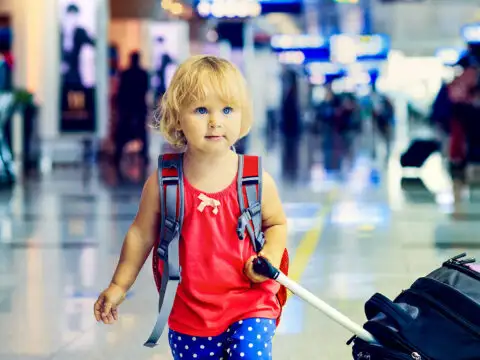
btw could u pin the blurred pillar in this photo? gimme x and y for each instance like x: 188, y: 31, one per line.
x: 35, y: 45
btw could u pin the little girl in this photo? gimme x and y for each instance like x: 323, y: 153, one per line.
x: 216, y: 314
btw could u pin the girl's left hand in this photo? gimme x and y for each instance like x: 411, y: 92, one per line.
x: 251, y: 274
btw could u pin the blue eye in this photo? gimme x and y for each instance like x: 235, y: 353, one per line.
x: 201, y: 110
x: 227, y: 110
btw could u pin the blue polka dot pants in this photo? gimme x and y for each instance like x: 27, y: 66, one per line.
x: 247, y: 339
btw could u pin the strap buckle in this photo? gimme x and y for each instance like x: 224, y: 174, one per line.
x: 246, y: 217
x: 162, y: 250
x: 255, y: 209
x: 172, y: 232
x: 242, y: 223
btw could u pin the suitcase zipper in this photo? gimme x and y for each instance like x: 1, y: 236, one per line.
x: 448, y: 312
x: 453, y: 264
x: 366, y: 355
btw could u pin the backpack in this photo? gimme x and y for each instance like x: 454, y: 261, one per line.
x: 165, y: 253
x: 437, y: 318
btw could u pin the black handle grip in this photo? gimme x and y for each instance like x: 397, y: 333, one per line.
x: 263, y: 267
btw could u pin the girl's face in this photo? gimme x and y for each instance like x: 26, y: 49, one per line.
x: 211, y: 125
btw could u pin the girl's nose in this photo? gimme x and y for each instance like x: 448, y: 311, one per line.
x: 213, y: 121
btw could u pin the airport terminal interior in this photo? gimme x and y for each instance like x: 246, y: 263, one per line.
x: 364, y: 115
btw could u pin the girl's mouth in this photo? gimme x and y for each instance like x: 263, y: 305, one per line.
x: 214, y: 138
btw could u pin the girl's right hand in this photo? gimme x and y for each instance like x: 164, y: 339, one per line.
x: 106, y: 306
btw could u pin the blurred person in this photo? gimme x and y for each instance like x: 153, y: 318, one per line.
x: 326, y: 111
x: 329, y: 121
x: 108, y: 144
x: 133, y: 87
x: 464, y: 129
x: 290, y: 107
x: 441, y: 112
x: 205, y: 111
x: 77, y: 69
x: 74, y: 40
x: 273, y: 97
x: 350, y: 125
x: 383, y: 115
x: 440, y: 117
x: 164, y: 68
x: 290, y: 125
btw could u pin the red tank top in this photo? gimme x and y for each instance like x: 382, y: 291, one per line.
x: 214, y: 292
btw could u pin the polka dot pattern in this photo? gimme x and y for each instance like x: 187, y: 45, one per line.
x: 247, y: 339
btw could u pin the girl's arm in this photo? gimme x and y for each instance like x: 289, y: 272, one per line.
x: 140, y: 236
x: 274, y: 222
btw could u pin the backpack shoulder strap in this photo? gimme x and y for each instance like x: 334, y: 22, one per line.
x: 172, y: 201
x: 171, y: 191
x: 249, y: 188
x: 249, y: 184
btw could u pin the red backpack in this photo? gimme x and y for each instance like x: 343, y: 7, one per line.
x: 165, y: 259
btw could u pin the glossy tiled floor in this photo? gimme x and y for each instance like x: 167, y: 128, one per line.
x: 61, y: 235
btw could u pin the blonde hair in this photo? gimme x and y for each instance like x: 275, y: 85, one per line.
x: 191, y: 83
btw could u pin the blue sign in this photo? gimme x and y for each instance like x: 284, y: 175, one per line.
x: 320, y: 49
x: 281, y: 6
x: 313, y: 48
x: 372, y: 47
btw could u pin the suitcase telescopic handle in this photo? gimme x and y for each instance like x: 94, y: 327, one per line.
x: 263, y: 267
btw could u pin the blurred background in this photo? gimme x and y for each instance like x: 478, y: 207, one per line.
x: 366, y: 114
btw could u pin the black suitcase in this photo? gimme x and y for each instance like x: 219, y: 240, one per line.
x: 437, y: 318
x: 419, y: 151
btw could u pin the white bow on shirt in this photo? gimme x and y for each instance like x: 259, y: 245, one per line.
x: 206, y: 201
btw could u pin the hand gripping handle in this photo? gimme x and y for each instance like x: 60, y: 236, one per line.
x: 263, y: 267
